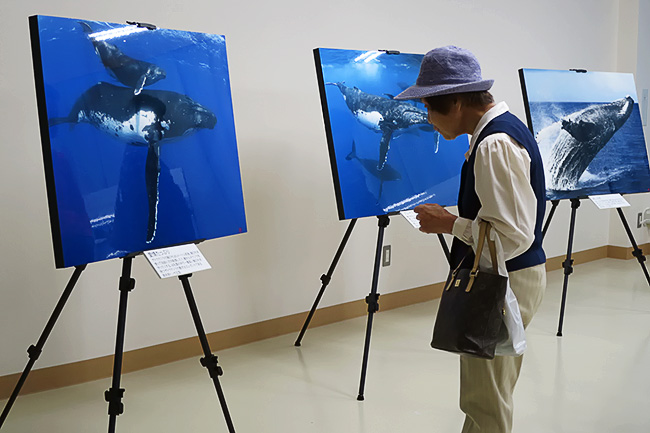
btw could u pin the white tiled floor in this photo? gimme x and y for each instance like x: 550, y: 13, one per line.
x: 594, y: 379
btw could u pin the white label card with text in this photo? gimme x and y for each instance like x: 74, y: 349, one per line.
x: 609, y: 201
x: 174, y: 261
x: 411, y: 217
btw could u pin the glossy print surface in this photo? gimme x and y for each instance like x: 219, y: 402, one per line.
x: 385, y: 156
x: 138, y: 137
x: 589, y: 130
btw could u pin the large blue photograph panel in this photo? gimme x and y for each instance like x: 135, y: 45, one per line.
x: 138, y: 137
x: 589, y: 130
x: 385, y: 156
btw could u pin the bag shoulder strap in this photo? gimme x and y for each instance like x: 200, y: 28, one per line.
x: 483, y: 236
x: 493, y: 251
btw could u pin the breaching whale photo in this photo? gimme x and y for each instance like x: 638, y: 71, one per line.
x: 138, y: 138
x: 589, y: 131
x: 384, y: 155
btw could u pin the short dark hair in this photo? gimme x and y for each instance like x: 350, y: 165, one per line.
x: 442, y: 103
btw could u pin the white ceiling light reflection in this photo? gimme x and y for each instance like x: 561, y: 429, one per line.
x: 116, y: 33
x: 368, y: 56
x: 373, y: 56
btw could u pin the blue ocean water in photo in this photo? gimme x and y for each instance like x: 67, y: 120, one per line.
x: 621, y: 166
x: 116, y: 193
x: 419, y: 166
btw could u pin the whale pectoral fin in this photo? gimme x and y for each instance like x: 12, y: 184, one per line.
x: 384, y: 147
x: 152, y: 181
x: 140, y: 84
x: 581, y: 130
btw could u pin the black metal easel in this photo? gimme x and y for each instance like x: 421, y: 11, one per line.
x: 372, y: 299
x: 325, y: 279
x: 568, y: 263
x: 35, y: 351
x: 209, y: 361
x: 115, y: 394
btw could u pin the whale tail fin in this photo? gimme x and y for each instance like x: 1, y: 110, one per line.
x: 353, y: 154
x: 59, y: 121
x: 86, y: 27
x: 339, y: 84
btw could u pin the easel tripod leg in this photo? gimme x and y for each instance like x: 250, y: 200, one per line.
x: 568, y: 263
x: 210, y: 360
x: 444, y: 246
x: 550, y: 217
x: 373, y: 302
x: 325, y: 279
x: 34, y: 351
x: 114, y: 395
x: 637, y: 252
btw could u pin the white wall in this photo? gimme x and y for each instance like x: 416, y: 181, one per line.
x: 274, y: 269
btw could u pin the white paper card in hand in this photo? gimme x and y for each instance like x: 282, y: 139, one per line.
x: 411, y: 217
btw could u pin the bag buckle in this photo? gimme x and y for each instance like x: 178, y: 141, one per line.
x: 472, y: 275
x: 451, y: 280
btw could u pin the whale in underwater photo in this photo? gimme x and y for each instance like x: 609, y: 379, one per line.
x: 134, y: 156
x: 150, y: 118
x: 127, y: 70
x: 386, y: 174
x: 396, y: 158
x: 383, y: 114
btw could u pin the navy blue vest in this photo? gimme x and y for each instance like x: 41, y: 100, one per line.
x: 469, y: 203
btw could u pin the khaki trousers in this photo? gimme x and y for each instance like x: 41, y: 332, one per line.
x: 486, y: 386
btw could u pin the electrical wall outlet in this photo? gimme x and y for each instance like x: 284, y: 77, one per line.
x: 386, y: 256
x: 645, y: 218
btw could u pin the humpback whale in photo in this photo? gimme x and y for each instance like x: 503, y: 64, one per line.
x: 152, y: 118
x: 381, y: 114
x: 385, y: 174
x: 129, y: 71
x: 582, y: 135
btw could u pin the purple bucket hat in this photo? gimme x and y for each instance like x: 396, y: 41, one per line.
x: 447, y: 70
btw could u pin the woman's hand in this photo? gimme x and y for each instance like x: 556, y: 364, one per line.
x: 434, y: 218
